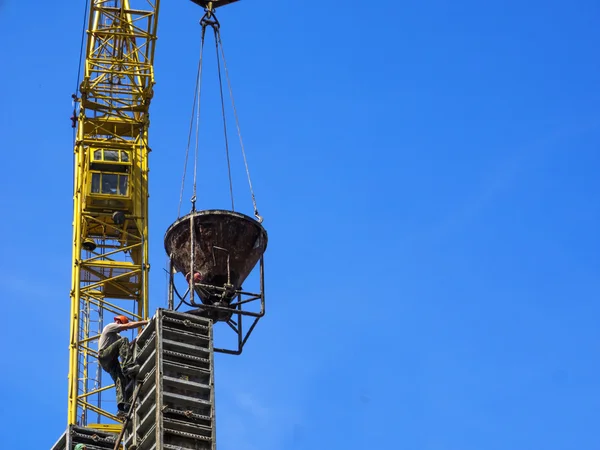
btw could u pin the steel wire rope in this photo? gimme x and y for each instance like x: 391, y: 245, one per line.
x: 194, y: 184
x: 82, y: 40
x: 81, y: 44
x: 74, y: 95
x: 197, y: 91
x: 217, y: 34
x: 237, y: 123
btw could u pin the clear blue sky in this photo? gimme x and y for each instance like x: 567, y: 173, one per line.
x: 428, y: 174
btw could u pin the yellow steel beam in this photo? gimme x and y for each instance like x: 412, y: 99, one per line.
x: 91, y: 338
x: 112, y: 252
x: 108, y: 427
x: 105, y: 388
x: 112, y: 309
x: 97, y: 410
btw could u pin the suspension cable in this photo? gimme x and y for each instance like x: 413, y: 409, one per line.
x: 74, y: 95
x: 217, y: 34
x: 193, y: 199
x: 81, y: 45
x: 209, y: 18
x: 237, y: 123
x: 196, y: 103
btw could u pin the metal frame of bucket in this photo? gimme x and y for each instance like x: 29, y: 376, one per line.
x: 235, y: 306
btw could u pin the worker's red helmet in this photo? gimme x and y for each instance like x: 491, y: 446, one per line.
x: 122, y: 319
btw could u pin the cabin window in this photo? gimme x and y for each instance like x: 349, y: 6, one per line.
x: 112, y: 156
x: 110, y: 183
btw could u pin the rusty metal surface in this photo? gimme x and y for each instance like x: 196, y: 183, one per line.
x: 215, y: 3
x: 227, y: 246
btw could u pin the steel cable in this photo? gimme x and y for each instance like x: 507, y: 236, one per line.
x: 196, y: 103
x: 237, y: 123
x: 217, y: 39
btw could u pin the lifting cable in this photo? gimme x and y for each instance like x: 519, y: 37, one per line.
x: 209, y: 19
x: 197, y: 91
x: 239, y: 132
x: 74, y: 95
x: 217, y: 39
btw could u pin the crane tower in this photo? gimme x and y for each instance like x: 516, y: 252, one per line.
x: 110, y: 217
x: 211, y: 253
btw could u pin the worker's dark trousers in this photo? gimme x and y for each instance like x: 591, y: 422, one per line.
x: 109, y: 361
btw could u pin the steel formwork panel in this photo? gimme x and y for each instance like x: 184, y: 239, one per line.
x: 175, y: 403
x: 93, y: 439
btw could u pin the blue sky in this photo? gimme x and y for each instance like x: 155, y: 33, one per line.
x: 428, y: 176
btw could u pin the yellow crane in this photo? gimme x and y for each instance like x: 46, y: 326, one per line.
x: 110, y: 196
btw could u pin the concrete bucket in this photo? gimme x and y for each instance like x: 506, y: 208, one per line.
x: 225, y: 245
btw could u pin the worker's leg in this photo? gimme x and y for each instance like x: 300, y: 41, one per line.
x: 128, y: 366
x: 120, y: 348
x: 114, y: 350
x: 125, y: 352
x: 109, y: 361
x: 120, y: 383
x: 112, y: 367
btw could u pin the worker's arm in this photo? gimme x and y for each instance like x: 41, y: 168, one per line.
x: 130, y: 325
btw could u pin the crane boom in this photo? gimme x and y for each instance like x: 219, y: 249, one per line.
x: 110, y: 217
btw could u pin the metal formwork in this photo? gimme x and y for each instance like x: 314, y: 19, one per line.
x: 93, y: 439
x: 175, y: 404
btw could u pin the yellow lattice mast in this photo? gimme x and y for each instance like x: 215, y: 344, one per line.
x: 110, y: 226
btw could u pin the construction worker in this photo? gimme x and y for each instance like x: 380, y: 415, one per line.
x: 80, y: 447
x: 111, y: 346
